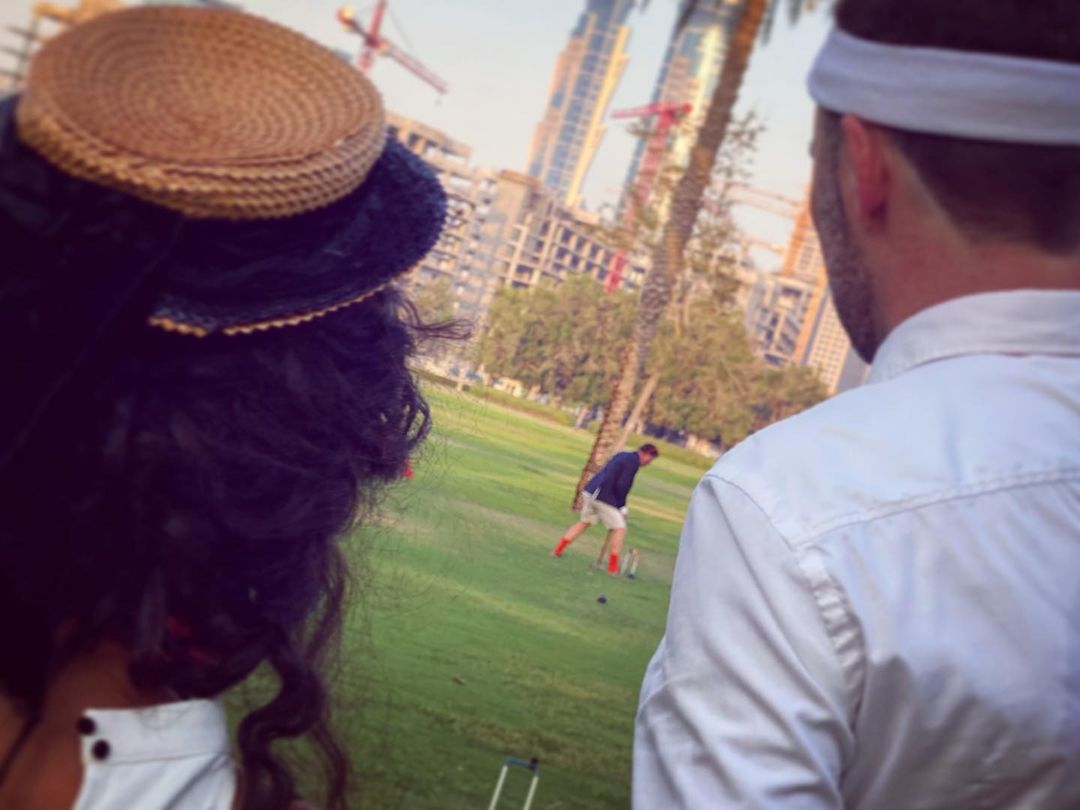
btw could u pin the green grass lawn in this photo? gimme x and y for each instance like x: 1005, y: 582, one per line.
x: 468, y: 642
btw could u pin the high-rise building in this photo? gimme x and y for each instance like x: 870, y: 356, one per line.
x: 790, y: 313
x: 689, y: 74
x: 585, y: 77
x: 776, y: 307
x: 854, y: 373
x: 531, y: 237
x: 777, y: 304
x: 471, y: 191
x: 802, y: 257
x: 505, y: 228
x: 822, y: 343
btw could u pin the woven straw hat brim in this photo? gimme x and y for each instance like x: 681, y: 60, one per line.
x: 387, y: 225
x: 212, y: 113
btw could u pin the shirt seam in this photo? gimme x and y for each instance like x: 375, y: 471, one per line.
x: 934, y: 355
x: 811, y: 543
x: 920, y: 502
x: 814, y: 532
x: 822, y: 587
x: 851, y: 680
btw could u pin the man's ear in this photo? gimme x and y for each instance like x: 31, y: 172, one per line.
x: 869, y: 178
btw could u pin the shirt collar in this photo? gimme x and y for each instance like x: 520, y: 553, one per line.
x: 166, y: 731
x: 1016, y: 322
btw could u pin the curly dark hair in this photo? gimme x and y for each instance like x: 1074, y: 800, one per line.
x: 204, y: 483
x: 183, y: 497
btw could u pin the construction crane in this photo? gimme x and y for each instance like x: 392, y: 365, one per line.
x: 768, y: 201
x: 749, y: 243
x: 667, y: 114
x: 73, y: 15
x: 33, y: 36
x: 753, y: 242
x: 377, y: 44
x: 718, y: 202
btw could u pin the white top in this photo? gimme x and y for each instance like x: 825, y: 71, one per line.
x: 174, y: 756
x: 876, y: 603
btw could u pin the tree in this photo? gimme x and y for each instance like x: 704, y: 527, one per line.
x: 708, y: 380
x: 557, y: 338
x: 712, y: 249
x: 435, y: 301
x: 502, y: 335
x: 784, y: 392
x: 686, y: 202
x: 706, y: 373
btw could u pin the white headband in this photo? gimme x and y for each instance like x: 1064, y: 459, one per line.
x: 955, y: 93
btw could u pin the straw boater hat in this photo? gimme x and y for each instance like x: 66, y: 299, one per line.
x: 140, y: 167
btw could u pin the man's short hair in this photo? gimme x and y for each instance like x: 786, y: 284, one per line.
x: 995, y: 191
x: 649, y: 450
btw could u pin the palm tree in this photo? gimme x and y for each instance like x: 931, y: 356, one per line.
x: 753, y: 17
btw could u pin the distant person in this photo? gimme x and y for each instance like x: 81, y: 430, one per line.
x: 206, y: 384
x: 876, y: 603
x: 604, y: 500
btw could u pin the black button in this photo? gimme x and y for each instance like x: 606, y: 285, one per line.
x: 86, y: 726
x: 100, y: 750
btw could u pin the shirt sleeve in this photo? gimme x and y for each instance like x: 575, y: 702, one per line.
x: 744, y: 703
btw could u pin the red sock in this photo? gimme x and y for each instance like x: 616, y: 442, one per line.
x: 559, y: 549
x: 613, y: 564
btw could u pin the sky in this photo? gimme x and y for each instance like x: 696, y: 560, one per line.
x: 498, y: 55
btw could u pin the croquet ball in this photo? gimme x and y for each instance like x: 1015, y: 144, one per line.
x: 601, y: 599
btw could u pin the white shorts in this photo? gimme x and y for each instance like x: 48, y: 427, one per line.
x: 593, y: 510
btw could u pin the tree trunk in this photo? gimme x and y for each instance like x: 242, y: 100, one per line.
x: 639, y: 409
x: 612, y: 420
x: 682, y: 213
x: 582, y: 412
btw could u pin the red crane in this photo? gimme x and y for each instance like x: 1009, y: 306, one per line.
x: 667, y: 114
x: 376, y: 43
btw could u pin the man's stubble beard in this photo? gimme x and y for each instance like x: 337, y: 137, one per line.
x: 849, y: 281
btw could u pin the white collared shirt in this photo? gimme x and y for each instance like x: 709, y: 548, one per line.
x: 876, y: 603
x: 174, y: 756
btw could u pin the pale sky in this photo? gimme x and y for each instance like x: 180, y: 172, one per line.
x: 497, y: 56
